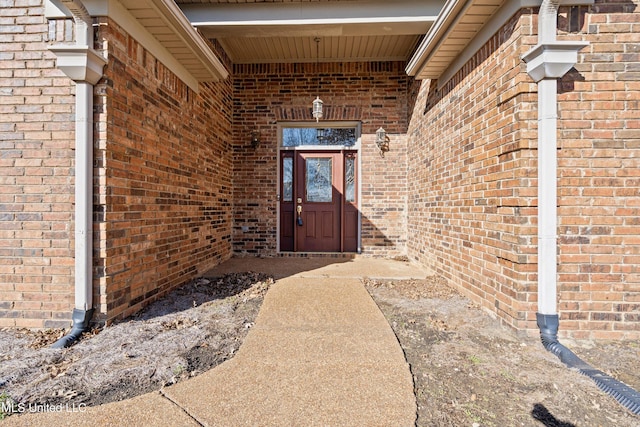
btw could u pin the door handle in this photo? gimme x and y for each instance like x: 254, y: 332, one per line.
x: 299, y: 210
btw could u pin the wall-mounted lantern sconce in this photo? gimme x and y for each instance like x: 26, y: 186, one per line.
x: 255, y: 139
x: 320, y: 134
x: 382, y: 140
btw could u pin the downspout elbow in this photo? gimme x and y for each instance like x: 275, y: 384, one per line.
x: 548, y: 325
x: 81, y: 319
x: 625, y: 395
x: 82, y: 20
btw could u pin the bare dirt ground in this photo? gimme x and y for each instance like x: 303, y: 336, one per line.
x: 188, y: 332
x: 468, y: 370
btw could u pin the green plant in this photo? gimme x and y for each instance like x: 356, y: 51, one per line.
x: 178, y: 370
x: 474, y: 359
x: 6, y: 405
x: 508, y: 375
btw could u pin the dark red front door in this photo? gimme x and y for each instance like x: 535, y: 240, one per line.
x: 318, y: 202
x: 318, y: 206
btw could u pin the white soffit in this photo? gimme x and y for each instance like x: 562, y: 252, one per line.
x: 353, y: 30
x: 166, y: 22
x: 461, y: 29
x: 458, y: 24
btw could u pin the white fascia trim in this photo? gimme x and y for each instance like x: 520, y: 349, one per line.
x: 307, y: 13
x: 317, y: 21
x: 181, y: 25
x: 450, y: 14
x: 54, y: 10
x: 497, y: 21
x: 121, y: 15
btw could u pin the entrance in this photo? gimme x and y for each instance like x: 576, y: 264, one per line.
x: 318, y: 203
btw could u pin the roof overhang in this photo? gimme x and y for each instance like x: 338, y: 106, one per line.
x: 284, y: 31
x: 351, y: 30
x: 457, y: 25
x: 461, y: 29
x: 161, y: 27
x: 225, y: 18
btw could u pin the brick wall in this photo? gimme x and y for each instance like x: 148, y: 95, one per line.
x: 599, y: 174
x: 373, y: 93
x: 178, y: 188
x: 472, y: 188
x: 473, y: 185
x: 36, y: 171
x: 164, y: 165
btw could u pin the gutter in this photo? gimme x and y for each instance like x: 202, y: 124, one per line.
x: 546, y: 62
x: 84, y: 66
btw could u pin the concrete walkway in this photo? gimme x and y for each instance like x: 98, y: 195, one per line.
x: 320, y: 354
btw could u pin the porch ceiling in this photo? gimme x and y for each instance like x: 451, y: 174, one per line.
x: 283, y: 31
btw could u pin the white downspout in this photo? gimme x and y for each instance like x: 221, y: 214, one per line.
x: 548, y: 61
x: 84, y: 197
x: 548, y: 21
x: 82, y: 64
x: 547, y: 169
x: 84, y: 167
x: 547, y: 195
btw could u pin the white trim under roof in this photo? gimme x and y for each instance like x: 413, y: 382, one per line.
x: 425, y: 63
x: 284, y: 31
x: 180, y: 24
x: 197, y: 63
x: 312, y: 13
x: 497, y: 21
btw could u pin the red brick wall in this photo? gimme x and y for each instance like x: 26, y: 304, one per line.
x: 374, y: 93
x: 599, y: 174
x: 177, y: 184
x: 163, y: 176
x: 472, y: 186
x: 36, y: 172
x: 473, y: 169
x: 164, y: 166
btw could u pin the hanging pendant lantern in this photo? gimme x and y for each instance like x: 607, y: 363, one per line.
x: 317, y: 103
x: 317, y: 109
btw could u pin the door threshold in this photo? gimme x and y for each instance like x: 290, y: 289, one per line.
x: 347, y: 255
